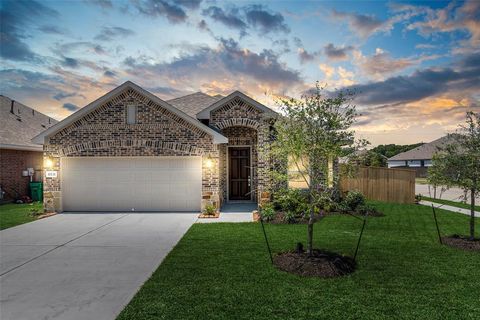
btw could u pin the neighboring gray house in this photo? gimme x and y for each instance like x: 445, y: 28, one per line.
x: 419, y: 158
x: 130, y: 150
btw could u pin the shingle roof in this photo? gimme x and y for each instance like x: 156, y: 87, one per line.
x: 423, y: 152
x: 193, y: 103
x: 18, y: 128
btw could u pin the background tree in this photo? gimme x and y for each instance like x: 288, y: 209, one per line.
x: 458, y: 163
x: 311, y: 134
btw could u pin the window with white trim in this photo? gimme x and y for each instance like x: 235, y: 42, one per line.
x: 131, y: 114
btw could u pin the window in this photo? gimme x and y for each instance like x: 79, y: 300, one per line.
x: 131, y: 114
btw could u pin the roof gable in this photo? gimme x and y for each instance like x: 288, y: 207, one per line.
x: 19, y: 124
x: 205, y: 113
x: 217, y: 137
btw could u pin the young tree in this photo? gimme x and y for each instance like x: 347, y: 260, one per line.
x: 311, y: 134
x: 458, y: 164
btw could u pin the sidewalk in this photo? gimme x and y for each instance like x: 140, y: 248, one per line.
x: 449, y: 208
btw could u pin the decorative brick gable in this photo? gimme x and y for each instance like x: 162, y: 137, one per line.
x: 244, y: 125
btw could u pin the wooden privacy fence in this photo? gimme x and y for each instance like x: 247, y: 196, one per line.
x: 383, y: 184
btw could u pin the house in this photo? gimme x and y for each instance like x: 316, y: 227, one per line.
x: 20, y: 159
x: 419, y: 158
x: 132, y: 151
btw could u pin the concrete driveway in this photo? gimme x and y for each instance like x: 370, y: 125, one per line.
x: 82, y: 265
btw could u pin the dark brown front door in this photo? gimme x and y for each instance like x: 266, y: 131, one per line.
x: 239, y: 173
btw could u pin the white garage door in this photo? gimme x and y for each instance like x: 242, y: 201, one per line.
x: 127, y: 184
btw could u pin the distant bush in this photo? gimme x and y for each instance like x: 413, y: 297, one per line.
x: 353, y: 199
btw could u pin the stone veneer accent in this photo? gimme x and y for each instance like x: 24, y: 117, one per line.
x: 104, y: 132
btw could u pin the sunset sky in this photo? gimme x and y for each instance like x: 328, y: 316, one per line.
x: 415, y: 65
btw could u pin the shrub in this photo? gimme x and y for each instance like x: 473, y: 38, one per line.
x: 267, y: 212
x: 289, y: 217
x: 209, y: 210
x: 354, y: 199
x: 291, y: 200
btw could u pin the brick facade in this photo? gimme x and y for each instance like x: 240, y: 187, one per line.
x: 159, y: 132
x: 12, y: 163
x: 104, y: 132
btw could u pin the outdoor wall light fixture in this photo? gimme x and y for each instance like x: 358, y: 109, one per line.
x: 209, y: 162
x: 48, y: 163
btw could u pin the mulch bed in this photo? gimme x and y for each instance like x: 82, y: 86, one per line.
x: 323, y: 264
x: 209, y: 216
x: 462, y: 242
x: 45, y: 215
x: 280, y: 217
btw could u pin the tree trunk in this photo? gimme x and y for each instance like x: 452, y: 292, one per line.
x: 310, y: 229
x: 472, y: 214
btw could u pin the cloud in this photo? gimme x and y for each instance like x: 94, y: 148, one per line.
x: 464, y: 77
x: 382, y: 64
x: 337, y: 53
x: 329, y: 71
x: 70, y: 62
x: 48, y: 28
x: 110, y: 33
x: 229, y: 18
x: 168, y: 91
x: 62, y: 95
x: 303, y: 55
x: 425, y: 46
x: 227, y: 61
x: 105, y: 4
x: 82, y: 47
x: 16, y: 17
x: 363, y: 25
x: 261, y: 18
x: 174, y: 11
x: 451, y: 18
x: 338, y: 77
x: 110, y: 74
x: 256, y: 17
x: 70, y: 107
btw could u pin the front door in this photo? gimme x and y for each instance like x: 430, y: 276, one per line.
x: 239, y: 173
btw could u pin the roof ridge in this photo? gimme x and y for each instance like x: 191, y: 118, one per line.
x: 191, y: 94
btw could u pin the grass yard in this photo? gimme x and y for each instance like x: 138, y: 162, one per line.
x: 14, y: 214
x: 451, y: 203
x: 222, y: 271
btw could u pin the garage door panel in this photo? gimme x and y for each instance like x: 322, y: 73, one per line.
x: 120, y: 184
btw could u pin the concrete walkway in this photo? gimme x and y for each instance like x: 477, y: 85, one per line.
x: 449, y: 208
x: 82, y: 266
x: 233, y: 212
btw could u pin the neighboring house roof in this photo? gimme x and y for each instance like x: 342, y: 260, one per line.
x: 423, y: 152
x: 17, y: 128
x: 193, y: 103
x: 205, y: 113
x: 217, y: 137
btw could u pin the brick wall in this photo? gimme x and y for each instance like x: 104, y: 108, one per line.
x: 12, y: 163
x: 158, y: 132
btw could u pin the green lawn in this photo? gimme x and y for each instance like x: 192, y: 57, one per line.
x: 14, y: 214
x: 451, y: 203
x: 222, y: 271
